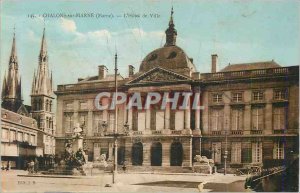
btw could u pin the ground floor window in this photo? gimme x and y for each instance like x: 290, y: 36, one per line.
x: 236, y: 152
x: 278, y: 150
x: 257, y: 152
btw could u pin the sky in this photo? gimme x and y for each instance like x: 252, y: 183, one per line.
x: 238, y: 31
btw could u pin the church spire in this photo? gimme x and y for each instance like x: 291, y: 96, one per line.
x: 43, y: 51
x: 11, y: 93
x: 13, y: 53
x: 41, y: 84
x: 171, y: 32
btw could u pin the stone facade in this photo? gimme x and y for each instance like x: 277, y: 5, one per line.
x: 39, y: 114
x: 250, y: 111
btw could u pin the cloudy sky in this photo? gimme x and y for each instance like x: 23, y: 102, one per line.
x: 238, y: 31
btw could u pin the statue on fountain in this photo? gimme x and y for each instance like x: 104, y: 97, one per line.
x: 77, y: 132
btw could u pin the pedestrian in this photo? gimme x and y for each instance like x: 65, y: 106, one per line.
x: 124, y: 166
x: 31, y: 167
x: 7, y: 166
x: 36, y: 165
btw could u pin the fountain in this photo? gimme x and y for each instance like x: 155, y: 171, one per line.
x: 74, y: 157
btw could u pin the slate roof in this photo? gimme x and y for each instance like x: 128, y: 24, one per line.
x: 250, y: 66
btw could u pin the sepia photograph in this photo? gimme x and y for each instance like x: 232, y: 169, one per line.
x: 149, y: 95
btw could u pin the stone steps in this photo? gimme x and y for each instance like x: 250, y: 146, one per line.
x: 158, y: 169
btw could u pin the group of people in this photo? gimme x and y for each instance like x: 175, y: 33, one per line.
x: 6, y: 167
x: 33, y: 166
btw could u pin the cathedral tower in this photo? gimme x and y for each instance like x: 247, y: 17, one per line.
x: 42, y: 92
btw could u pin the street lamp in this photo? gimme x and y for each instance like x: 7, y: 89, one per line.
x: 226, y: 152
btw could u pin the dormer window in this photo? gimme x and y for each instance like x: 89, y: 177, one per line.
x: 172, y: 55
x: 153, y: 57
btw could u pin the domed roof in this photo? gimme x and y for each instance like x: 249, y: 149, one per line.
x: 168, y: 57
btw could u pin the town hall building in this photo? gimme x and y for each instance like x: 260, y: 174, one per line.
x: 250, y: 112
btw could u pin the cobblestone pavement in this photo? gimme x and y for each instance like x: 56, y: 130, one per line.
x: 126, y: 182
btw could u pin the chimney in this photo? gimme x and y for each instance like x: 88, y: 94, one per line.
x: 102, y: 71
x: 214, y: 58
x: 130, y: 70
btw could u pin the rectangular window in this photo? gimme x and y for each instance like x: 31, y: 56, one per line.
x: 217, y: 97
x: 237, y: 97
x: 279, y: 118
x: 4, y: 134
x: 280, y: 94
x: 32, y: 139
x: 216, y: 121
x: 97, y: 122
x: 20, y: 136
x: 111, y: 121
x: 83, y: 121
x: 257, y: 152
x: 26, y: 138
x: 179, y: 120
x: 237, y: 119
x: 257, y: 118
x: 258, y: 95
x: 278, y: 150
x: 246, y: 153
x: 68, y: 122
x: 216, y: 151
x: 236, y: 151
x: 12, y: 135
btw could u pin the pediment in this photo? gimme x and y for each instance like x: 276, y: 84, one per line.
x: 158, y: 75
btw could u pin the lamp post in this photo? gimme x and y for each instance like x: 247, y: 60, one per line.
x: 115, y: 124
x: 226, y: 152
x: 115, y: 132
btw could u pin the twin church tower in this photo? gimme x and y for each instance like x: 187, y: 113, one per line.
x: 41, y: 91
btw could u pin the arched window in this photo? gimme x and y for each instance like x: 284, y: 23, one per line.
x: 50, y: 123
x: 50, y: 106
x: 37, y: 107
x: 47, y: 104
x: 47, y: 123
x: 40, y: 104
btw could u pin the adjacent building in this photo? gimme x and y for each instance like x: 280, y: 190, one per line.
x: 27, y: 131
x: 250, y: 112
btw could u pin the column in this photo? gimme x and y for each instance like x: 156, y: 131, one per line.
x: 110, y: 151
x: 146, y: 154
x: 128, y: 152
x: 167, y: 116
x: 247, y: 119
x: 166, y: 148
x: 268, y: 118
x: 187, y: 119
x: 187, y: 152
x: 130, y: 118
x: 90, y: 123
x: 148, y: 119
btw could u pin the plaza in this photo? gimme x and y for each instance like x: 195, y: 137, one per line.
x: 15, y: 181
